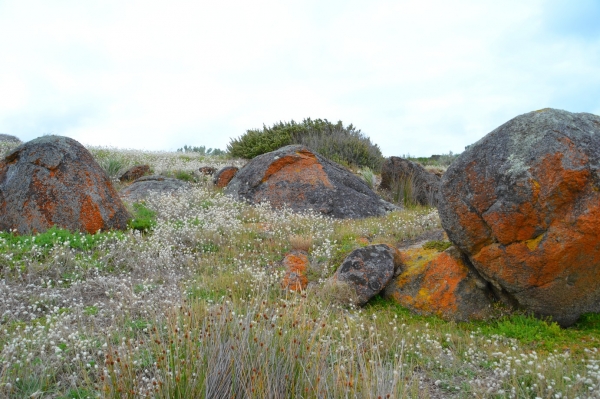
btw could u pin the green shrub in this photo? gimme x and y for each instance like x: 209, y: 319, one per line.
x: 345, y: 145
x: 202, y: 150
x: 144, y: 219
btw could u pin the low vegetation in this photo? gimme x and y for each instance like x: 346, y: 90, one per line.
x: 343, y: 144
x: 188, y: 303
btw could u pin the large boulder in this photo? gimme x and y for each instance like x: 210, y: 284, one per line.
x: 296, y: 177
x: 430, y: 282
x: 410, y: 177
x: 368, y: 270
x: 143, y: 187
x: 523, y: 204
x: 54, y: 180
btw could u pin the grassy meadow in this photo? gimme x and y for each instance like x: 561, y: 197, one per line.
x: 188, y: 304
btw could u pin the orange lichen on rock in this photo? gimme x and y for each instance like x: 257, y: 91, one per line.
x: 301, y: 167
x: 225, y: 176
x: 439, y: 283
x: 296, y: 265
x: 90, y: 216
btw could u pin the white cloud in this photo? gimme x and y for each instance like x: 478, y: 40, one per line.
x: 418, y: 77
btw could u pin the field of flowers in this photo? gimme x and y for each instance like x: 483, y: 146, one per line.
x: 192, y: 307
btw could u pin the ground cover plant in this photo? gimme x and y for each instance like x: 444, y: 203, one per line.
x: 188, y: 303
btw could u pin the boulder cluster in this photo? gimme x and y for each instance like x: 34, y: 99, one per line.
x: 520, y: 208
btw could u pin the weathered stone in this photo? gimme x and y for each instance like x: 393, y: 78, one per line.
x: 224, y: 176
x: 9, y: 138
x: 144, y: 186
x: 135, y: 172
x: 440, y: 283
x: 54, y: 180
x: 207, y: 170
x: 301, y: 179
x: 424, y: 186
x: 524, y: 204
x: 296, y: 265
x: 368, y: 270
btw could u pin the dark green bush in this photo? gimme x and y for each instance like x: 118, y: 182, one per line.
x: 345, y: 145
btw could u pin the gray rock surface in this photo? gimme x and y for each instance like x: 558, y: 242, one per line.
x: 368, y: 270
x: 523, y: 204
x: 144, y: 186
x: 54, y: 180
x: 425, y: 185
x: 9, y: 138
x: 296, y: 177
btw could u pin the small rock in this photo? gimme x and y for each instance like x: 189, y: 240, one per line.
x: 296, y: 265
x: 135, y: 173
x: 208, y: 170
x: 224, y: 176
x: 368, y: 270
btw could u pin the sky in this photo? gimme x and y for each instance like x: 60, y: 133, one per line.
x: 417, y: 77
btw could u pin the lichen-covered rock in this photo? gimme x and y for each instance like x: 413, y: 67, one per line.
x: 224, y: 176
x: 524, y: 204
x: 135, y: 172
x: 54, y: 180
x: 301, y: 179
x: 424, y: 185
x: 368, y: 270
x: 296, y: 265
x: 430, y: 282
x: 207, y: 170
x: 9, y: 138
x: 144, y: 186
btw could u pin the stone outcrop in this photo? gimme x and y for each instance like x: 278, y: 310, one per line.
x: 222, y: 178
x: 296, y: 265
x: 430, y: 282
x: 135, y: 173
x: 368, y: 270
x: 298, y: 178
x: 523, y: 204
x: 145, y: 186
x: 9, y: 138
x: 423, y: 185
x: 54, y: 180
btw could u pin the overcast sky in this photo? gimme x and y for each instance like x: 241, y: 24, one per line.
x: 417, y: 77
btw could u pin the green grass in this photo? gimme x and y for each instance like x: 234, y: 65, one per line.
x: 144, y: 219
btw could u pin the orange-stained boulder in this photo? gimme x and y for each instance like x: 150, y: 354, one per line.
x: 224, y: 176
x: 523, y: 204
x: 299, y: 178
x: 368, y: 270
x: 296, y: 265
x: 54, y: 180
x: 440, y: 283
x: 135, y: 173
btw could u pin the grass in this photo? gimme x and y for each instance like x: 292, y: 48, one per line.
x: 189, y: 304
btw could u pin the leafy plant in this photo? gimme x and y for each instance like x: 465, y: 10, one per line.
x: 144, y: 219
x: 342, y: 144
